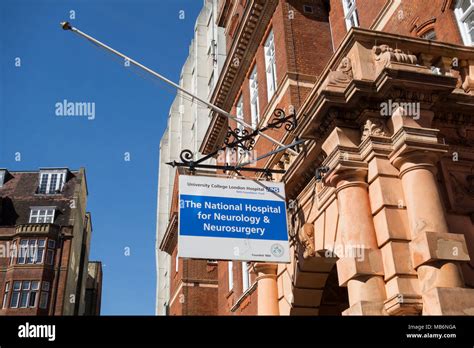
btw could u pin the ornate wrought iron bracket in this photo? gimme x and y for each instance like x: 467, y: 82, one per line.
x: 239, y: 139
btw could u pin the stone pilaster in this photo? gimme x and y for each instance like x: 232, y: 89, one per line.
x: 360, y: 264
x: 390, y: 220
x: 435, y: 252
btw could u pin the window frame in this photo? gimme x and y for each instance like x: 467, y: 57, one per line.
x: 26, y: 295
x: 270, y: 64
x: 44, y: 295
x: 350, y: 13
x: 246, y: 282
x: 49, y: 215
x: 15, y: 292
x: 254, y: 100
x: 29, y: 251
x: 6, y: 294
x: 239, y: 112
x: 2, y: 176
x: 46, y: 184
x: 461, y: 17
x: 230, y: 275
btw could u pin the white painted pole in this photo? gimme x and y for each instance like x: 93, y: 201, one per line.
x: 67, y: 26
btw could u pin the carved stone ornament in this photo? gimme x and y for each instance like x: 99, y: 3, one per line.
x: 374, y: 127
x: 384, y: 55
x: 306, y: 237
x: 459, y: 182
x: 343, y: 73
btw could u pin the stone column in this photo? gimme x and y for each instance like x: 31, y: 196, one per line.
x: 435, y: 252
x: 267, y: 288
x: 360, y: 264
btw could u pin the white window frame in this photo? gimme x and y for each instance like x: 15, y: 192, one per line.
x: 270, y: 65
x: 2, y: 177
x: 26, y: 289
x: 350, y: 13
x: 31, y: 252
x: 239, y: 112
x: 5, y: 295
x: 46, y: 185
x: 461, y: 17
x: 176, y: 261
x: 230, y: 271
x: 45, y: 213
x: 245, y: 276
x: 254, y: 102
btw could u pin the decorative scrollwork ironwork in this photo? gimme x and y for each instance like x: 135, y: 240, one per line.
x: 240, y: 138
x: 186, y: 156
x: 280, y: 119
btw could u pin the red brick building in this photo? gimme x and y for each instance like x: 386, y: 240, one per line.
x: 45, y: 235
x: 335, y: 63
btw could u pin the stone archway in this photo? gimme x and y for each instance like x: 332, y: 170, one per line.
x: 315, y: 286
x: 335, y: 298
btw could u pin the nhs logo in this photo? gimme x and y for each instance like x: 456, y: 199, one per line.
x: 273, y: 189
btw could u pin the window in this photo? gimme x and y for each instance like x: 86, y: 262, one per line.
x: 44, y: 295
x: 176, y: 261
x: 13, y: 252
x: 245, y: 276
x: 464, y: 12
x: 51, y: 181
x: 31, y: 251
x: 230, y: 272
x: 254, y: 103
x: 40, y: 215
x: 24, y: 294
x: 429, y: 35
x: 308, y: 9
x: 5, y: 295
x: 239, y: 111
x: 350, y: 13
x: 15, y: 295
x: 50, y: 252
x: 210, y: 85
x: 270, y: 65
x: 2, y: 177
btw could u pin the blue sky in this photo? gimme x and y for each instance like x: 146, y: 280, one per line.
x: 130, y: 116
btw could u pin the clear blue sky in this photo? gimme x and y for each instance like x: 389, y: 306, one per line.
x: 130, y: 116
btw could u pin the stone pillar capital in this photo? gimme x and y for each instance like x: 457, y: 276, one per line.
x: 416, y: 149
x: 265, y: 270
x: 346, y: 174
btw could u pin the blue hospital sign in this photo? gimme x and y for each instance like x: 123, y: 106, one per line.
x: 228, y: 219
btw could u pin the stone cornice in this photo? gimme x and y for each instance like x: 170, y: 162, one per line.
x: 170, y: 238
